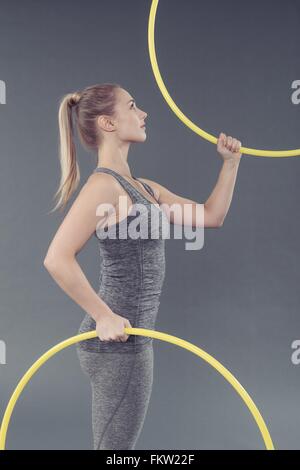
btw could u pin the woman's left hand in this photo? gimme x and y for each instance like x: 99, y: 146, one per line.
x: 228, y: 148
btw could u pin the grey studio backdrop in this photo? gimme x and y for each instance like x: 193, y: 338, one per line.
x: 229, y: 66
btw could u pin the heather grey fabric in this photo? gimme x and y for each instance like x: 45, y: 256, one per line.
x: 132, y: 275
x: 121, y: 388
x: 132, y: 271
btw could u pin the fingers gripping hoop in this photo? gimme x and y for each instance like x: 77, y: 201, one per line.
x: 141, y: 332
x: 211, y: 138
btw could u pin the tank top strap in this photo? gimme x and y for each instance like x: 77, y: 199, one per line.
x: 146, y: 186
x: 133, y: 193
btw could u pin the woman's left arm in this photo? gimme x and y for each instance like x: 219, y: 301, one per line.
x: 213, y: 212
x: 219, y: 201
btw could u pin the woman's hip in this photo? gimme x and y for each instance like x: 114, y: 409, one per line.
x: 116, y: 367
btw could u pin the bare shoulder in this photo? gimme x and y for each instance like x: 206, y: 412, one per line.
x: 102, y: 186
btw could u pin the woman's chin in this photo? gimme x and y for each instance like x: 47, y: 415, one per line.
x: 143, y: 138
x: 139, y: 138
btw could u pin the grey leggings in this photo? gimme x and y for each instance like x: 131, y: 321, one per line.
x: 121, y: 389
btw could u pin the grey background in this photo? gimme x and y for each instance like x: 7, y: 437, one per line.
x: 229, y: 66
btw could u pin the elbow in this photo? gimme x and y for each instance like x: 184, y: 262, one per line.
x: 219, y: 223
x: 54, y: 261
x: 49, y: 263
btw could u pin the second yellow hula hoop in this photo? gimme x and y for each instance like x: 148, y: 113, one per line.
x: 211, y: 138
x: 142, y: 332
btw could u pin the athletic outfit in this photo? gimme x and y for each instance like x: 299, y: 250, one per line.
x: 131, y: 280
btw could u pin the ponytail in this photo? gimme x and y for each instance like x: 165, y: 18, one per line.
x: 70, y: 174
x: 88, y: 105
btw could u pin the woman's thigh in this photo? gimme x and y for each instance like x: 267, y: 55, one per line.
x: 121, y: 389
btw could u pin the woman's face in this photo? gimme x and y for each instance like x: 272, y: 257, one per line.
x: 129, y: 118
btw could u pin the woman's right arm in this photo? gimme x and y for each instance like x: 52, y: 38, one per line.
x: 60, y: 261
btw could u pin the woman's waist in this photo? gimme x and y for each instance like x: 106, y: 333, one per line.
x: 130, y: 305
x: 143, y: 312
x: 131, y: 288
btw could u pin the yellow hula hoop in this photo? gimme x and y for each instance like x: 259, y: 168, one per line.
x: 141, y: 332
x: 211, y: 138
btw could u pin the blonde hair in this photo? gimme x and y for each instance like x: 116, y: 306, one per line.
x: 88, y: 105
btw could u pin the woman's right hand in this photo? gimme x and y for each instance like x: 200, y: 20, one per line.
x: 111, y: 326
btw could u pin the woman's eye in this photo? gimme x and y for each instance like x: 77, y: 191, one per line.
x: 132, y: 105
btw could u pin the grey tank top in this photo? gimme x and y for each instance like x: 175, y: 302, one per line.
x: 132, y: 271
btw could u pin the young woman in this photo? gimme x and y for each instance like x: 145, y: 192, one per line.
x: 120, y: 366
